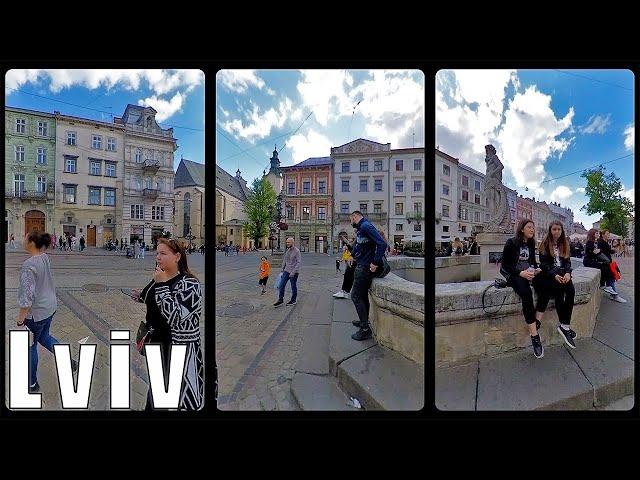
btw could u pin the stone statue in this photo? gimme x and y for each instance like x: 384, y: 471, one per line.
x: 495, y: 193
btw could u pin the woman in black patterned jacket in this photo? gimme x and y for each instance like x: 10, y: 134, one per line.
x: 174, y: 309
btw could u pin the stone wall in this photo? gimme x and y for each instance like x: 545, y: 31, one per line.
x: 464, y: 268
x: 397, y: 310
x: 464, y: 332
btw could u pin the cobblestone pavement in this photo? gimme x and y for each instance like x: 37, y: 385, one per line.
x: 257, y: 346
x: 90, y: 304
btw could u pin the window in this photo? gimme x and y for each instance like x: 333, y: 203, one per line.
x: 477, y: 217
x: 398, y: 227
x: 399, y: 165
x: 399, y: 186
x: 445, y: 211
x: 345, y: 185
x: 42, y: 156
x: 305, y: 213
x: 465, y: 181
x: 377, y: 185
x: 94, y: 195
x: 344, y: 208
x: 417, y: 185
x: 290, y: 212
x: 18, y: 183
x: 231, y: 232
x: 148, y: 183
x: 110, y: 197
x: 21, y: 125
x: 417, y: 208
x: 377, y: 166
x: 292, y: 188
x: 96, y: 142
x: 377, y: 208
x: 486, y: 217
x: 322, y: 213
x: 463, y: 229
x: 364, y: 208
x: 41, y: 184
x: 137, y: 212
x: 110, y: 169
x: 399, y: 208
x: 71, y: 138
x: 445, y: 189
x: 157, y: 213
x: 364, y: 185
x: 111, y: 144
x: 160, y: 184
x: 138, y: 156
x: 346, y: 167
x: 417, y: 227
x: 465, y: 214
x: 465, y: 195
x: 364, y: 166
x: 322, y: 186
x: 96, y: 167
x: 19, y: 153
x: 417, y: 164
x: 477, y: 199
x: 43, y: 129
x: 477, y: 185
x: 138, y: 183
x: 70, y: 166
x: 186, y: 219
x: 445, y: 229
x: 69, y: 194
x: 446, y: 170
x: 306, y: 187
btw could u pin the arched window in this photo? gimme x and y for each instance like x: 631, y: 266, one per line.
x: 187, y: 214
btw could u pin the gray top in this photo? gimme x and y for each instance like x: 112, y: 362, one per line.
x: 37, y: 289
x: 292, y: 260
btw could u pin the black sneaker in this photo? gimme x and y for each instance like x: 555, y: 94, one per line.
x: 291, y: 302
x: 34, y: 388
x: 538, y: 349
x: 568, y: 337
x: 356, y: 323
x: 278, y: 303
x: 362, y: 334
x: 538, y: 325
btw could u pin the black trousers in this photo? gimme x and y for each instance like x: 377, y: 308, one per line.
x: 362, y: 279
x: 523, y: 288
x: 564, y: 296
x: 347, y: 281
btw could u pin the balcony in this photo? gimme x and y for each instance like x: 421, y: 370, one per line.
x: 417, y: 216
x: 373, y: 217
x: 150, y: 193
x: 150, y: 166
x: 306, y: 194
x: 307, y: 221
x: 25, y: 195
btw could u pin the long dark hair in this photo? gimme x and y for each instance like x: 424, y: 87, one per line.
x: 591, y: 235
x: 520, y: 235
x: 40, y: 239
x: 175, y: 247
x: 563, y: 243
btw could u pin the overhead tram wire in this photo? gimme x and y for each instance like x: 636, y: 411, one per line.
x: 587, y: 168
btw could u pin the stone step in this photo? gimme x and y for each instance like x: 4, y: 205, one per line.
x: 592, y: 375
x: 342, y: 346
x: 319, y: 392
x: 314, y: 357
x: 382, y: 379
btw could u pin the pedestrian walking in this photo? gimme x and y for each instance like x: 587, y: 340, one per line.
x: 264, y: 269
x: 291, y: 263
x: 82, y: 243
x: 12, y: 241
x: 143, y: 246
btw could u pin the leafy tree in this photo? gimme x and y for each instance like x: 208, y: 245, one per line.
x: 258, y: 209
x: 605, y: 197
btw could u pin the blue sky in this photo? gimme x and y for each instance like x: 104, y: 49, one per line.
x: 257, y: 109
x: 543, y: 123
x: 177, y: 96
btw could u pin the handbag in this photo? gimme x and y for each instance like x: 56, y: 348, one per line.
x: 615, y: 271
x: 385, y: 269
x: 276, y: 285
x: 142, y: 336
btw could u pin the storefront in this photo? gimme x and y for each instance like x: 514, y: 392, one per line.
x: 304, y: 242
x: 321, y: 244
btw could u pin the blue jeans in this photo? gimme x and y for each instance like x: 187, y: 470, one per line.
x: 42, y: 336
x: 294, y: 286
x: 612, y: 283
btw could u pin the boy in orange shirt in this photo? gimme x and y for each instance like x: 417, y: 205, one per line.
x: 263, y: 276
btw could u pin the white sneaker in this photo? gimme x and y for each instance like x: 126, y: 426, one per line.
x: 610, y: 290
x: 619, y: 299
x: 340, y: 294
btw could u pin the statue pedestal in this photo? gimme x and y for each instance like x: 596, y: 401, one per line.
x: 276, y: 258
x: 491, y: 245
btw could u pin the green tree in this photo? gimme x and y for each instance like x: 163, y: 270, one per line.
x: 261, y: 199
x: 605, y: 197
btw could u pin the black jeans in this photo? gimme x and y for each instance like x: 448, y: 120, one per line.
x: 563, y: 294
x: 362, y: 279
x: 523, y: 288
x: 347, y: 281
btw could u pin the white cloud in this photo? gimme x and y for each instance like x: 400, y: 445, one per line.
x: 224, y: 112
x: 239, y: 81
x: 580, y: 190
x: 313, y: 144
x: 629, y: 137
x: 271, y: 92
x: 260, y: 123
x: 325, y: 92
x: 630, y: 194
x: 560, y: 193
x: 596, y: 124
x: 165, y: 108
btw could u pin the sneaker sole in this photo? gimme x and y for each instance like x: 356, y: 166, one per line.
x: 291, y: 304
x: 276, y: 306
x: 541, y: 355
x: 565, y: 338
